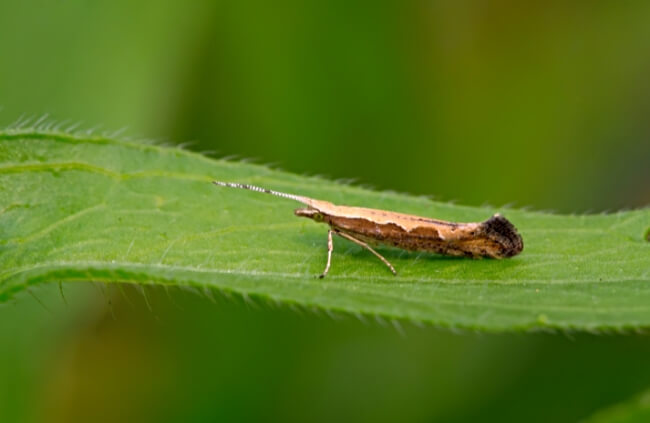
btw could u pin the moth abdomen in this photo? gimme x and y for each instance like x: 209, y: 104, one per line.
x: 502, y: 231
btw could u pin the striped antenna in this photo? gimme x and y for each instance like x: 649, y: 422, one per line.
x: 304, y: 200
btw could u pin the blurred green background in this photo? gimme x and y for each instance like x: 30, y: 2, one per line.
x: 534, y: 104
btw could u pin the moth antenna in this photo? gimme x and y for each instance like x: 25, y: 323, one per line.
x: 304, y: 200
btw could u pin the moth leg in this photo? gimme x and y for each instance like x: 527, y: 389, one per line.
x: 368, y: 247
x: 330, y: 248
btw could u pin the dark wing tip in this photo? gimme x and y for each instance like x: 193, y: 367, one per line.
x: 504, y: 232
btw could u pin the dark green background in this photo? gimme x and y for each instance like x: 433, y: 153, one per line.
x: 543, y: 105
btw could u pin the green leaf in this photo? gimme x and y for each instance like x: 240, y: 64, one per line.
x: 633, y: 410
x: 81, y: 208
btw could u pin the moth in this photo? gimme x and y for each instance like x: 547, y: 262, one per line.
x: 496, y: 237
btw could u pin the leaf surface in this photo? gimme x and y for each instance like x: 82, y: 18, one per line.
x: 82, y: 208
x: 634, y: 410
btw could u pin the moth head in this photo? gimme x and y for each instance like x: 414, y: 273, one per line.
x: 310, y: 213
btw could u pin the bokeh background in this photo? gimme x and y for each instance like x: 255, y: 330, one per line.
x: 537, y: 104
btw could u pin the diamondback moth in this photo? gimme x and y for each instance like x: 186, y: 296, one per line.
x: 495, y: 238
